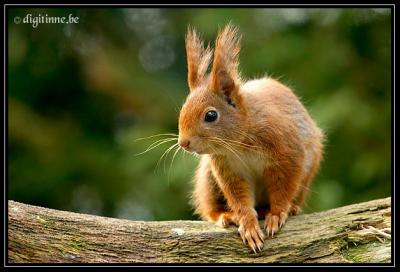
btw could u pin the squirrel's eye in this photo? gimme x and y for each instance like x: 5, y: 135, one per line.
x: 211, y: 116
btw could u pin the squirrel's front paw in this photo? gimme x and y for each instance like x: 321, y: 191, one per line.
x: 252, y: 235
x: 273, y: 222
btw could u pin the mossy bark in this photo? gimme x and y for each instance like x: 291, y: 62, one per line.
x: 358, y: 233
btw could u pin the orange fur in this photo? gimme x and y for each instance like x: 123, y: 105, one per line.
x: 198, y: 58
x: 225, y: 73
x: 261, y: 154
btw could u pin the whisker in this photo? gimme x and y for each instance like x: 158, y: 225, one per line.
x: 231, y: 144
x: 184, y: 157
x: 156, y: 144
x: 157, y: 135
x: 164, y: 154
x: 309, y: 189
x: 231, y: 149
x: 251, y: 138
x: 212, y: 148
x: 161, y: 140
x: 172, y: 162
x: 243, y: 133
x: 248, y: 136
x: 236, y: 143
x: 176, y: 106
x: 243, y: 144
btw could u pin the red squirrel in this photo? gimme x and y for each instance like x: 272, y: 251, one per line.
x: 258, y: 145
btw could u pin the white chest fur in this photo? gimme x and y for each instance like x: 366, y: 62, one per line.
x: 251, y: 166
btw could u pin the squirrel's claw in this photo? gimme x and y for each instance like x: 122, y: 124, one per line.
x: 252, y: 236
x: 274, y: 222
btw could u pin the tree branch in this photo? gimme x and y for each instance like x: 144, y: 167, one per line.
x: 356, y: 233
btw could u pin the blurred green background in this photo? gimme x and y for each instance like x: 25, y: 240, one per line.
x: 80, y: 94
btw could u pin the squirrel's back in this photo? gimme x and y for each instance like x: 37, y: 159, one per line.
x: 281, y: 119
x: 267, y: 99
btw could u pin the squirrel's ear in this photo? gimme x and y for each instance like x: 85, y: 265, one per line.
x: 225, y: 74
x: 198, y: 58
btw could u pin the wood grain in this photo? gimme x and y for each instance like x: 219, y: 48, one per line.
x: 358, y: 233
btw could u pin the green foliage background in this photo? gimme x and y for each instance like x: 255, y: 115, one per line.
x: 80, y: 94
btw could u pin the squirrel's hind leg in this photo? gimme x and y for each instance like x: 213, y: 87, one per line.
x: 223, y: 218
x: 305, y: 185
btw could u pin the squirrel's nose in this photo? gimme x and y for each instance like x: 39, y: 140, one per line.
x: 184, y: 143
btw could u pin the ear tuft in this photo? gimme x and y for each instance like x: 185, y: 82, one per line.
x: 225, y: 71
x: 198, y: 58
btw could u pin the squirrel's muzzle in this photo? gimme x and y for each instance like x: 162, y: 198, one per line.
x: 184, y: 143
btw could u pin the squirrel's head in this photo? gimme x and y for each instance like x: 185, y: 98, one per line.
x: 212, y: 115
